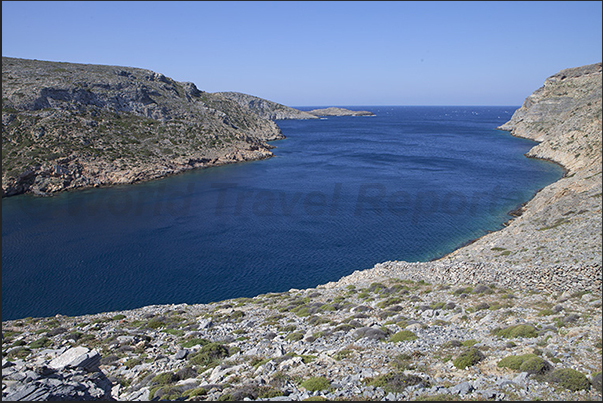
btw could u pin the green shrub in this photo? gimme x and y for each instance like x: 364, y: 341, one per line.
x: 340, y: 355
x: 469, y: 343
x: 468, y: 358
x: 132, y: 362
x: 119, y: 317
x: 523, y: 330
x: 570, y: 379
x: 535, y: 365
x: 20, y: 352
x: 316, y: 399
x: 164, y: 378
x: 195, y: 342
x: 295, y: 336
x: 267, y: 392
x: 403, y: 335
x: 155, y: 324
x: 195, y: 392
x: 43, y: 342
x: 209, y: 353
x: 514, y: 362
x: 396, y: 382
x: 316, y: 383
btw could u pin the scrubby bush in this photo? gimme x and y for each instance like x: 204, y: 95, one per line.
x: 195, y: 342
x: 522, y: 330
x: 42, y: 342
x: 468, y: 358
x: 195, y: 392
x: 514, y: 361
x: 209, y: 353
x: 316, y: 383
x: 535, y: 365
x: 403, y: 335
x: 341, y: 354
x: 569, y: 378
x: 164, y: 378
x: 295, y: 336
x: 396, y: 382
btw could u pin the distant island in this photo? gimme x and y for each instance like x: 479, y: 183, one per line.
x: 339, y: 112
x: 67, y: 126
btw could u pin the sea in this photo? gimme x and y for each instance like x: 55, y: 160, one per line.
x: 341, y: 194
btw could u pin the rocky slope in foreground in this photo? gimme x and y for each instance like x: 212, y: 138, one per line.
x: 67, y: 125
x: 490, y: 322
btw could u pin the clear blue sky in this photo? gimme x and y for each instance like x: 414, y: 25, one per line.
x: 322, y: 53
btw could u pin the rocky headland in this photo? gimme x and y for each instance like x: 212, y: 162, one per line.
x: 264, y: 108
x: 67, y: 126
x: 515, y: 315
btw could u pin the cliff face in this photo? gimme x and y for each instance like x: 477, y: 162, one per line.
x: 264, y: 108
x: 564, y: 115
x: 562, y: 223
x: 68, y: 125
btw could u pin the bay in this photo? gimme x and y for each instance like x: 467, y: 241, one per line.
x: 341, y: 194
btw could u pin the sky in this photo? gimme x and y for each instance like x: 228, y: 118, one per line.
x: 321, y: 53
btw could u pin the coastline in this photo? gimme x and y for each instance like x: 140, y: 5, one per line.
x: 438, y: 330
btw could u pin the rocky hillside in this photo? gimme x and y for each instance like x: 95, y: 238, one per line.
x: 514, y: 316
x: 389, y: 340
x: 264, y: 108
x: 67, y: 125
x: 561, y: 225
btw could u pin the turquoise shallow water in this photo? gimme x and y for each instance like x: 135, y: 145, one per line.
x: 341, y: 194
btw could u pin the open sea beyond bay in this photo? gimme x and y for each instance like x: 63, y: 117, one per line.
x: 341, y: 194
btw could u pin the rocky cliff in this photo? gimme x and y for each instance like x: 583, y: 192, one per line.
x: 264, y: 108
x: 67, y: 125
x: 562, y: 223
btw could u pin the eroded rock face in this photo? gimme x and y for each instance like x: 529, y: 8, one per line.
x: 264, y: 108
x: 71, y: 125
x: 564, y: 115
x: 561, y: 225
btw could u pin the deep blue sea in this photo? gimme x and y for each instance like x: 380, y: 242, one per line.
x: 341, y: 194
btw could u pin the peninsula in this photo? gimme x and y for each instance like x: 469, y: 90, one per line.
x: 516, y: 315
x: 67, y: 126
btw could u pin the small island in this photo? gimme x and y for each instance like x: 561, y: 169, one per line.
x: 332, y: 111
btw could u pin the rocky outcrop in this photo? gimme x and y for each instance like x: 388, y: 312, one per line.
x: 332, y: 111
x: 67, y: 125
x: 562, y: 223
x: 264, y: 108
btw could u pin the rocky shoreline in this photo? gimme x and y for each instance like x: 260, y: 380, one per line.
x: 515, y: 315
x: 71, y: 126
